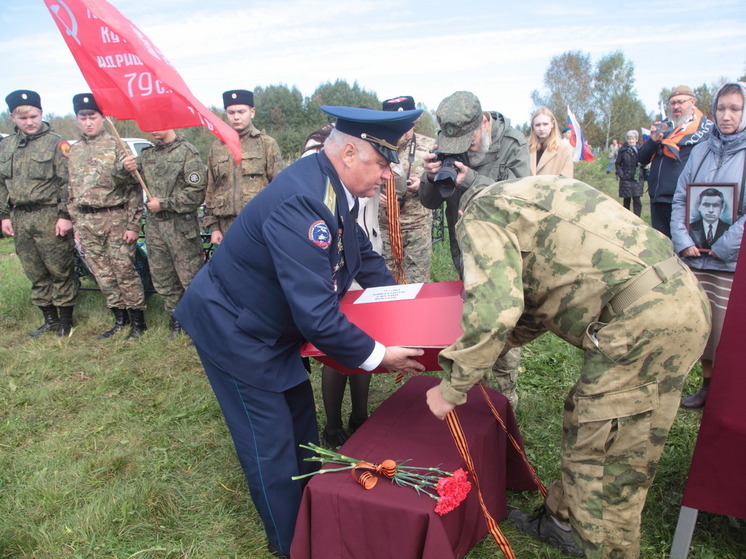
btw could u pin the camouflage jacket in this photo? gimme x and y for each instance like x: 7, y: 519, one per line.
x: 540, y: 254
x: 97, y: 179
x: 411, y: 212
x: 33, y: 170
x: 230, y: 187
x: 175, y: 175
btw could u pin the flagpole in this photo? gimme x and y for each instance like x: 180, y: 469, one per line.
x: 126, y: 149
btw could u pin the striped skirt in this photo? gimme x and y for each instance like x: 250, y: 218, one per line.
x: 717, y: 285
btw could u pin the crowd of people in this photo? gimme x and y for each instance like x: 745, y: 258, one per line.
x: 291, y: 241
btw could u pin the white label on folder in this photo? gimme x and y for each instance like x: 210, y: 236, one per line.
x: 390, y: 293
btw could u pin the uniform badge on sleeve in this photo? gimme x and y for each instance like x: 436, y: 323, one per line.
x: 65, y: 148
x: 194, y: 178
x: 319, y: 234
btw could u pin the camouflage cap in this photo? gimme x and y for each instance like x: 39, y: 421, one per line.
x: 458, y: 116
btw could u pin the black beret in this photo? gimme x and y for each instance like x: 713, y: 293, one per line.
x: 238, y: 97
x: 83, y: 101
x: 21, y: 98
x: 403, y: 103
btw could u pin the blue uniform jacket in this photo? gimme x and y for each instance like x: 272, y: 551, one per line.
x: 277, y: 277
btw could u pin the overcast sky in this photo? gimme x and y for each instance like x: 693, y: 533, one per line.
x: 497, y: 49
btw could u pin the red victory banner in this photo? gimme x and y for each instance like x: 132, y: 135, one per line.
x: 129, y: 77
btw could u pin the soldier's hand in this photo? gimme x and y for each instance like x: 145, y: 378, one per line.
x: 130, y: 236
x: 216, y: 237
x: 7, y: 227
x: 63, y: 227
x: 399, y: 360
x: 413, y: 185
x: 437, y: 404
x: 462, y: 170
x: 130, y: 163
x: 154, y: 205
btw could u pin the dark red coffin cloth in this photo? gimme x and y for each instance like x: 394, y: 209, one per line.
x: 339, y: 519
x: 715, y: 482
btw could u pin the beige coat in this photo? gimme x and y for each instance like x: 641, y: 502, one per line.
x: 553, y: 162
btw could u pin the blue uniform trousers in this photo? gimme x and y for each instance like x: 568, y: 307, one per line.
x: 267, y: 428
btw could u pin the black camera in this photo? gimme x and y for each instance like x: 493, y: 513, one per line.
x: 445, y: 179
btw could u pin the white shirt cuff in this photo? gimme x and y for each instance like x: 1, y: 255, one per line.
x: 375, y: 358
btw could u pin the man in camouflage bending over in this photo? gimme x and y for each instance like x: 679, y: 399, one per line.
x: 554, y: 254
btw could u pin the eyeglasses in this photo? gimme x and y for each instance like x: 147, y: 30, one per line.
x: 676, y: 102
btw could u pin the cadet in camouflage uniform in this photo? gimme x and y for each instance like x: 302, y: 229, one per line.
x: 106, y: 207
x: 553, y: 254
x: 33, y: 209
x: 415, y: 220
x: 230, y: 187
x: 496, y: 152
x: 176, y: 177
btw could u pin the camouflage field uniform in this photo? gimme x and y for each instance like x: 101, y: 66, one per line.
x: 549, y: 254
x: 33, y: 181
x: 230, y: 187
x: 176, y: 176
x: 415, y: 220
x: 507, y: 158
x: 105, y: 200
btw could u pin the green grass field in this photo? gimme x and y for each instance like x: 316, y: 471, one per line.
x: 116, y: 449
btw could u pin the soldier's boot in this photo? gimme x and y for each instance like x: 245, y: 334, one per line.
x: 137, y: 323
x: 51, y: 321
x: 121, y: 319
x: 175, y: 328
x: 66, y: 322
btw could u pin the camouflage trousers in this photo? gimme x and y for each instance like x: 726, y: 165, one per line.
x: 112, y: 261
x: 417, y: 248
x: 175, y: 254
x: 618, y: 414
x: 47, y: 259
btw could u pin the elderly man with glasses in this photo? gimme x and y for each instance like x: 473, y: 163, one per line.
x: 668, y: 149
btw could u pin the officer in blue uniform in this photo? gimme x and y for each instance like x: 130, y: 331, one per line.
x: 275, y: 282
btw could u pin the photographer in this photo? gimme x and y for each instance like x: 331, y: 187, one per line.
x: 492, y: 149
x: 474, y: 149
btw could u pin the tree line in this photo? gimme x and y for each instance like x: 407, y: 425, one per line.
x: 603, y: 97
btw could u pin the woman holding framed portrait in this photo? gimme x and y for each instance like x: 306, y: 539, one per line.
x: 708, y: 214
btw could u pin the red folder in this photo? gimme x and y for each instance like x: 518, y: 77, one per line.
x: 431, y: 321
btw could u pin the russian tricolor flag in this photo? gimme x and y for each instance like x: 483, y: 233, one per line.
x: 580, y: 151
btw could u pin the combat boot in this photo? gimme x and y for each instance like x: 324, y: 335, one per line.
x: 121, y: 319
x: 66, y: 322
x: 51, y: 321
x: 137, y: 323
x: 175, y: 328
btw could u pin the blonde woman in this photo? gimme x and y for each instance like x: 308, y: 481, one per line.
x: 548, y: 154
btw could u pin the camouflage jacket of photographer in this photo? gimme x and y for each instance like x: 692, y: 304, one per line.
x: 34, y: 170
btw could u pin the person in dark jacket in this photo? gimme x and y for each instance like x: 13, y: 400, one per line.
x: 628, y: 173
x: 667, y: 151
x: 274, y: 283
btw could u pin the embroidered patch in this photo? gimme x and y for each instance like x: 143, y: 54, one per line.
x: 194, y: 178
x: 65, y: 148
x: 319, y: 234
